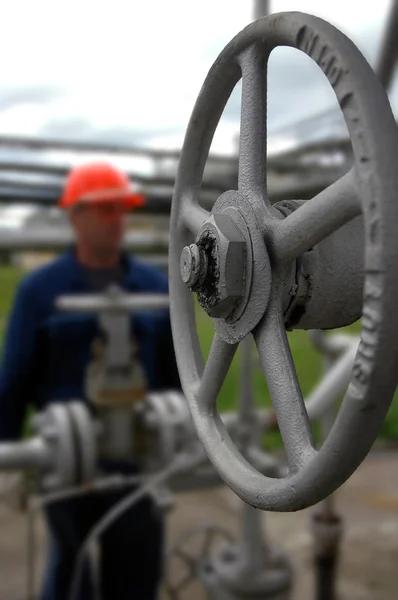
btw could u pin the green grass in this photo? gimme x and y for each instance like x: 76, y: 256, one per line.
x: 307, y: 360
x: 308, y: 364
x: 9, y: 279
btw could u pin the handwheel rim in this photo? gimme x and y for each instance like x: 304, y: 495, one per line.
x: 372, y: 128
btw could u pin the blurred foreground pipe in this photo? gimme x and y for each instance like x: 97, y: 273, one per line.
x: 24, y: 455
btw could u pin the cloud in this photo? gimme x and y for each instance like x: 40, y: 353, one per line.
x: 28, y: 94
x: 131, y: 71
x: 80, y: 128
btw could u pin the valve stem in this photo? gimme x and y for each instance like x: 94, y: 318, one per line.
x: 193, y: 265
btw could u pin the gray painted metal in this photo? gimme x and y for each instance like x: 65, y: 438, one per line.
x: 193, y: 265
x: 326, y: 523
x: 116, y: 441
x: 85, y: 443
x: 373, y: 180
x: 331, y: 346
x: 55, y: 427
x: 253, y: 276
x: 62, y: 449
x: 250, y: 568
x: 110, y: 303
x: 333, y: 384
x: 114, y: 322
x: 160, y: 423
x: 388, y: 58
x: 224, y: 245
x: 261, y: 8
x: 23, y: 455
x: 168, y: 423
x: 52, y: 144
x: 292, y: 174
x: 327, y: 289
x: 248, y: 429
x: 339, y: 348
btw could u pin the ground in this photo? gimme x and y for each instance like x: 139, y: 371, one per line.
x: 368, y: 566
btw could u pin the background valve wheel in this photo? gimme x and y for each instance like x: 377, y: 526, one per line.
x: 190, y: 555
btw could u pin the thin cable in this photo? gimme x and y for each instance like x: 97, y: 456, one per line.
x: 114, y: 513
x: 106, y: 483
x: 36, y: 503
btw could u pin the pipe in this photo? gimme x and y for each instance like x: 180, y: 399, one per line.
x: 327, y: 525
x: 120, y: 301
x: 253, y: 545
x: 33, y: 453
x: 334, y: 383
x: 327, y: 531
x: 261, y: 9
x: 331, y: 346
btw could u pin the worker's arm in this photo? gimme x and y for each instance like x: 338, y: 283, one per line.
x: 18, y: 363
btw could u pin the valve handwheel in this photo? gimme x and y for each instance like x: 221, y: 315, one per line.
x: 236, y: 259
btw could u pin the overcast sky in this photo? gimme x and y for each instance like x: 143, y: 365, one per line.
x: 130, y: 71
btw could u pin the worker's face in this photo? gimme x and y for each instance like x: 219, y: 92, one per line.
x: 100, y: 226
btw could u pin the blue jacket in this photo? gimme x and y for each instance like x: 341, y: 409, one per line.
x: 46, y: 351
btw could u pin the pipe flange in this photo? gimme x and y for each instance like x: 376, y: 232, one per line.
x: 55, y: 426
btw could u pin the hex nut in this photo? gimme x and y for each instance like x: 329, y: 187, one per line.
x: 225, y: 248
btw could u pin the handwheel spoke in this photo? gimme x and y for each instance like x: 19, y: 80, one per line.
x: 316, y: 219
x: 215, y: 372
x: 278, y: 366
x: 253, y: 127
x: 193, y: 217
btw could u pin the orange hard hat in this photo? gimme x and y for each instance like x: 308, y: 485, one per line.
x: 98, y: 182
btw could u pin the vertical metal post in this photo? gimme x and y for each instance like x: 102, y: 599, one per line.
x: 261, y: 9
x: 254, y: 560
x: 327, y: 505
x: 253, y: 550
x: 254, y: 547
x: 246, y: 400
x: 388, y: 57
x: 326, y: 526
x: 253, y: 542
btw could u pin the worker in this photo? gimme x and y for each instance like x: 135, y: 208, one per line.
x: 45, y: 355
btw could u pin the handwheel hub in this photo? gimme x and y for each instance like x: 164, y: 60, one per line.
x: 214, y: 267
x: 228, y: 267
